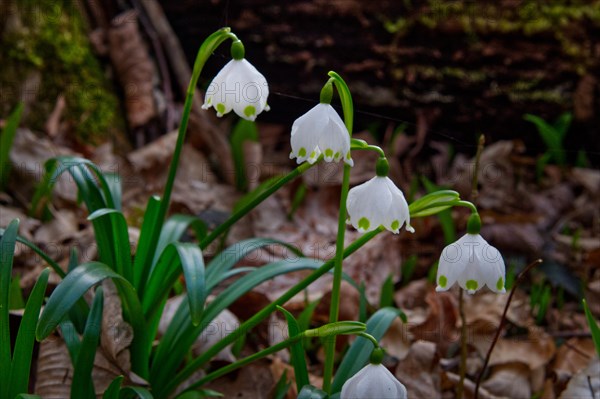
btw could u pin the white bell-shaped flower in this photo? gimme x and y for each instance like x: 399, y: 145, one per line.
x: 320, y: 131
x: 375, y: 203
x: 473, y: 263
x: 238, y: 87
x: 374, y: 381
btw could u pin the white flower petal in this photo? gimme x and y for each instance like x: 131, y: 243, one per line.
x: 451, y: 266
x: 374, y: 203
x: 305, y: 134
x: 373, y: 382
x: 398, y: 212
x: 320, y: 131
x: 239, y: 87
x: 473, y: 263
x: 334, y: 142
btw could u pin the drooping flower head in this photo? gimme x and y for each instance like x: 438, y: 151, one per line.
x: 471, y: 262
x: 238, y: 87
x: 321, y: 131
x: 374, y: 381
x: 378, y: 202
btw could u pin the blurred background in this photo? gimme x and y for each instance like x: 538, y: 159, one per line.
x: 455, y: 69
x: 106, y: 80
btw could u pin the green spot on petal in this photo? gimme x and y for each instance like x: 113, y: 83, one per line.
x: 442, y: 281
x: 336, y: 155
x: 313, y: 154
x: 363, y: 223
x: 348, y: 155
x: 209, y: 100
x: 302, y: 152
x: 500, y: 284
x: 221, y: 108
x: 249, y: 111
x: 329, y: 152
x: 472, y: 285
x: 395, y: 225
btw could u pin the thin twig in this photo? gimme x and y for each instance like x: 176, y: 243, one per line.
x: 502, y: 322
x: 589, y: 380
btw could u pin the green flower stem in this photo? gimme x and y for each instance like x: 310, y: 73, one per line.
x: 370, y: 338
x: 252, y: 204
x: 261, y: 315
x: 358, y: 144
x: 249, y: 359
x: 467, y: 204
x: 346, y: 328
x: 206, y: 49
x: 334, y: 308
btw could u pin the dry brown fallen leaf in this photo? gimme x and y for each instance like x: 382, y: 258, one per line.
x: 420, y: 371
x: 63, y: 226
x: 27, y: 225
x: 397, y: 340
x: 450, y: 380
x: 222, y: 325
x: 585, y: 384
x: 254, y: 381
x: 55, y: 371
x: 509, y: 380
x: 28, y: 155
x: 539, y: 347
x: 278, y: 367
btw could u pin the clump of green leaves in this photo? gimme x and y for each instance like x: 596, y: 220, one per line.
x: 554, y: 137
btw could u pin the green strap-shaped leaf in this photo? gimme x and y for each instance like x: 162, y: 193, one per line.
x: 68, y: 292
x: 69, y: 334
x: 296, y: 350
x: 229, y: 257
x: 55, y: 266
x: 72, y: 288
x: 112, y: 392
x: 113, y: 181
x: 360, y: 350
x: 110, y: 198
x: 21, y: 362
x: 180, y: 336
x: 7, y: 250
x: 82, y: 385
x: 139, y: 392
x: 175, y: 257
x: 146, y: 247
x: 119, y: 240
x: 173, y: 230
x: 595, y: 330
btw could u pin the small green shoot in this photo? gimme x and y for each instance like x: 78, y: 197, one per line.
x: 6, y: 142
x: 594, y: 328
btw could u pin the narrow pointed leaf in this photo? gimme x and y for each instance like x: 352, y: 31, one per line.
x: 360, y: 350
x: 296, y: 351
x: 175, y: 258
x: 23, y: 353
x: 7, y: 250
x: 83, y: 385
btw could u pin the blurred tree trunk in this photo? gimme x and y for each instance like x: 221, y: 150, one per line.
x: 481, y: 64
